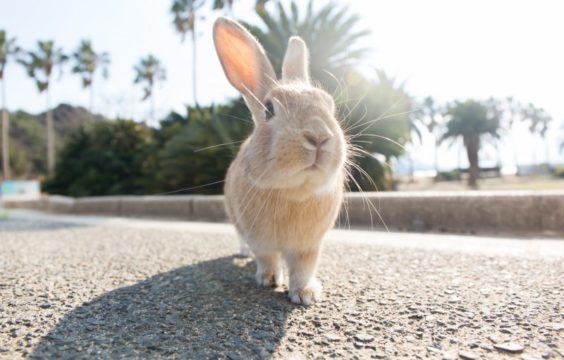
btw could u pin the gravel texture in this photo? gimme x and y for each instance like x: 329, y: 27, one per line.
x: 93, y: 291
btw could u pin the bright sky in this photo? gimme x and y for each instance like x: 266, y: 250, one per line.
x: 447, y: 49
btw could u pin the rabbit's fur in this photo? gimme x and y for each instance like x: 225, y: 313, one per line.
x: 284, y: 189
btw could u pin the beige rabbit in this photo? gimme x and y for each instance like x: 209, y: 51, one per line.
x: 284, y: 189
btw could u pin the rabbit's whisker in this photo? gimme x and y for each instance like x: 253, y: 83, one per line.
x: 218, y: 145
x: 190, y: 188
x: 237, y: 118
x: 382, y: 137
x: 364, y: 196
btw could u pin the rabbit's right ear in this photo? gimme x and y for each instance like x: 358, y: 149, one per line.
x: 244, y: 62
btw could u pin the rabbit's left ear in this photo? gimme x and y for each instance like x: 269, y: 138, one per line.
x: 296, y: 61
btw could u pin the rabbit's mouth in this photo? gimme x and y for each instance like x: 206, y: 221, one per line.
x: 313, y: 167
x: 316, y: 158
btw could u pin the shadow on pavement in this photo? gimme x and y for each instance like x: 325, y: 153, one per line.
x: 211, y: 309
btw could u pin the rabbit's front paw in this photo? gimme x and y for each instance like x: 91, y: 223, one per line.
x: 306, y: 295
x: 269, y: 278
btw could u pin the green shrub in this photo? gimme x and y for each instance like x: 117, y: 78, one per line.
x: 559, y: 171
x: 452, y: 175
x: 104, y: 158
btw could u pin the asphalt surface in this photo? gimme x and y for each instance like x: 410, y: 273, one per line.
x: 77, y: 287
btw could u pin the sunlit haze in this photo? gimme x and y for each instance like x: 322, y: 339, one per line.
x: 447, y: 49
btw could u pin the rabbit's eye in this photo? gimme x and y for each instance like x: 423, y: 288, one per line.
x: 268, y: 109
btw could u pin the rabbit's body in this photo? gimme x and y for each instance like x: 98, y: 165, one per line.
x: 294, y: 232
x: 290, y: 227
x: 284, y: 189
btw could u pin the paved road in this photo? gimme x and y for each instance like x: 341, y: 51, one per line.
x: 73, y: 287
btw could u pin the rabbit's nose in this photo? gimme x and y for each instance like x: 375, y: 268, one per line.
x: 316, y: 141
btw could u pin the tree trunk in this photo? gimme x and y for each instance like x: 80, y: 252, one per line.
x: 152, y: 111
x: 91, y: 100
x: 411, y: 169
x: 194, y: 67
x: 5, y: 136
x: 515, y: 154
x: 50, y: 137
x: 546, y: 150
x: 534, y: 149
x: 472, y: 147
x: 436, y: 157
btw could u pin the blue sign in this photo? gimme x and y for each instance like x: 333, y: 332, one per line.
x: 18, y: 190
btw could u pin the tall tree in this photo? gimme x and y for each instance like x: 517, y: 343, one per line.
x: 86, y: 63
x: 378, y: 125
x: 512, y: 112
x: 538, y: 120
x: 471, y: 121
x: 39, y: 66
x: 149, y: 71
x: 185, y: 14
x: 8, y: 51
x: 428, y: 115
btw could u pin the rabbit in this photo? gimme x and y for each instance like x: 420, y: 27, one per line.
x: 284, y: 189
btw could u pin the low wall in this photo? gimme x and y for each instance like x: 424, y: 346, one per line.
x: 483, y: 212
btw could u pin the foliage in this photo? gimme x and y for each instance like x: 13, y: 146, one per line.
x: 472, y: 121
x: 228, y: 4
x: 185, y: 14
x: 376, y: 118
x: 452, y: 175
x: 427, y: 115
x: 537, y: 118
x: 28, y: 138
x: 40, y: 64
x: 103, y: 158
x: 8, y: 49
x: 87, y: 62
x: 149, y: 71
x: 200, y: 152
x: 330, y: 33
x: 559, y: 171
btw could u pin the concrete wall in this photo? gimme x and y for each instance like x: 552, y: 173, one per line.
x: 483, y: 212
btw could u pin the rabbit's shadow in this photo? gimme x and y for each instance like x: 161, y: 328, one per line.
x: 212, y: 309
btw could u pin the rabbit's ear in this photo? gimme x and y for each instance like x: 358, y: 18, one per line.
x: 246, y: 66
x: 296, y: 60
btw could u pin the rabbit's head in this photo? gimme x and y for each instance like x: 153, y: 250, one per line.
x: 297, y: 142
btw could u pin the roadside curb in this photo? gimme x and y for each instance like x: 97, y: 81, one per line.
x: 480, y: 212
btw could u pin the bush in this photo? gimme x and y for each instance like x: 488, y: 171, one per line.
x: 104, y: 158
x: 452, y: 175
x: 559, y: 171
x: 199, y: 152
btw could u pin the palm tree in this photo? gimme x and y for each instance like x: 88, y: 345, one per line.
x: 222, y: 4
x: 428, y: 116
x: 512, y: 113
x: 538, y: 120
x: 185, y: 13
x: 329, y: 32
x: 378, y: 128
x: 87, y: 62
x: 8, y: 50
x: 471, y: 120
x: 149, y: 71
x: 39, y: 66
